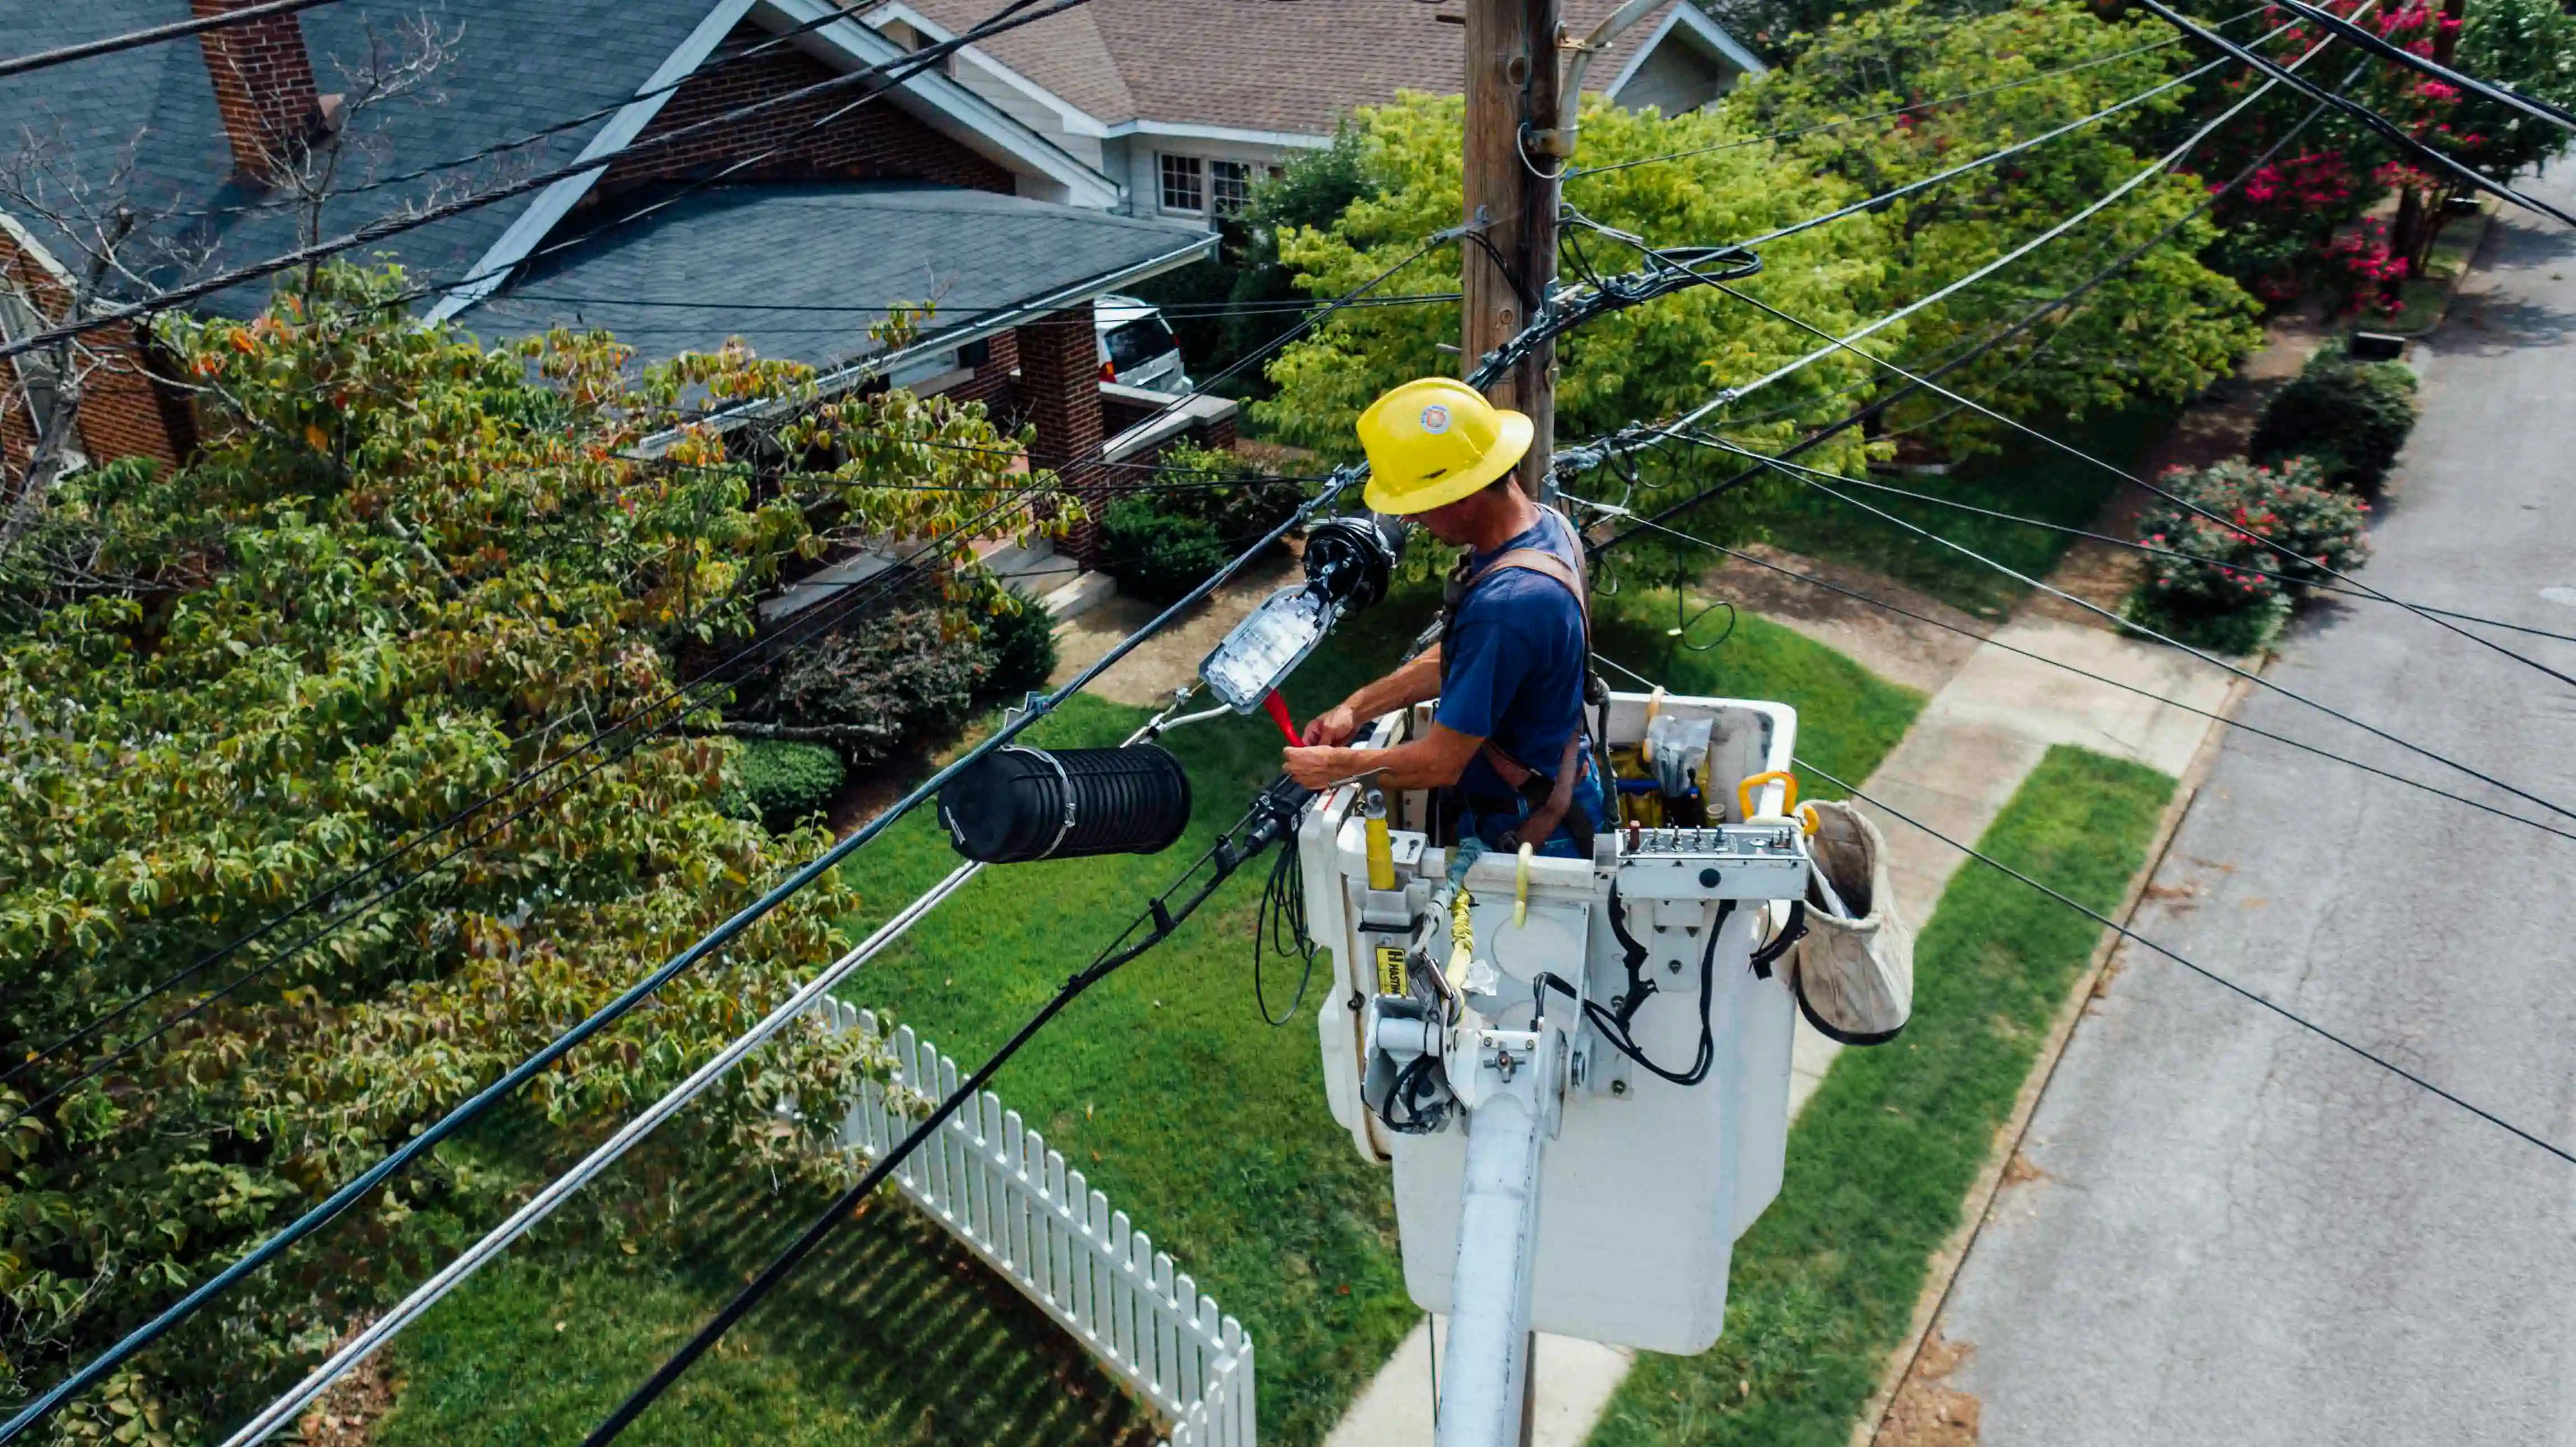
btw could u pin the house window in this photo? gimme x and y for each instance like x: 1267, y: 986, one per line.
x: 1229, y: 186
x: 36, y: 374
x: 1184, y: 184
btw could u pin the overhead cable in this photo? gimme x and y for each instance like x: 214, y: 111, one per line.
x: 2308, y: 580
x: 2504, y: 95
x: 1270, y: 819
x: 363, y: 1343
x: 2094, y: 208
x: 2380, y: 125
x: 2255, y: 996
x: 1900, y: 610
x: 1816, y: 479
x: 2196, y: 509
x: 1794, y: 132
x: 154, y: 35
x: 383, y: 227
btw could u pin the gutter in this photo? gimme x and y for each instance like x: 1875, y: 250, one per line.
x: 992, y: 324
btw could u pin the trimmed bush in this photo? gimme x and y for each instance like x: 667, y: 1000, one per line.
x: 1019, y: 639
x: 2351, y: 417
x: 1241, y: 499
x: 881, y: 683
x: 1157, y: 555
x: 2223, y: 604
x: 783, y: 782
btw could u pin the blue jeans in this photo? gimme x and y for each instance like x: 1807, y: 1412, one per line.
x: 1478, y: 830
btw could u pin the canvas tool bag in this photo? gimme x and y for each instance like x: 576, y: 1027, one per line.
x: 1854, y: 972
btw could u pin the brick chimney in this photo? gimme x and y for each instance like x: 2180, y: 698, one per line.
x: 263, y: 78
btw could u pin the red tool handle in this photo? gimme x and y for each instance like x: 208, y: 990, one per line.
x: 1278, y: 708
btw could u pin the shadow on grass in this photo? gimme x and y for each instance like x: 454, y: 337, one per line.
x: 890, y: 1333
x: 2027, y: 478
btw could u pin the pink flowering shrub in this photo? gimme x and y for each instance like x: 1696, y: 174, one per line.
x: 2254, y: 507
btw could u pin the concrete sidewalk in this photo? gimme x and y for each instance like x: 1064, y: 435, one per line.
x: 1967, y: 753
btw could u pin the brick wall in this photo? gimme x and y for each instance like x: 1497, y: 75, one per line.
x: 263, y: 79
x: 876, y: 140
x: 1060, y: 396
x: 124, y: 413
x: 993, y: 385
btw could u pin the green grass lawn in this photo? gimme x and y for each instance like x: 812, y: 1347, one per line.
x: 2027, y: 478
x: 1207, y: 1126
x: 891, y: 1334
x: 1824, y: 1285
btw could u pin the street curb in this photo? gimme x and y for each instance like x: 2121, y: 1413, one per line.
x: 2016, y: 1126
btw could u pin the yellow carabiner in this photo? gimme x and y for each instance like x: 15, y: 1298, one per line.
x: 1806, y: 815
x: 1520, y: 888
x: 1744, y: 791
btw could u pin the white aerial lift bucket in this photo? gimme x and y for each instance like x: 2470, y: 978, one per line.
x: 1636, y: 1186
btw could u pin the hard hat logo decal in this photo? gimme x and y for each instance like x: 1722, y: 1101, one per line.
x: 1435, y: 418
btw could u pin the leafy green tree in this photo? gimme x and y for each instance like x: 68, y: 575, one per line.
x: 2166, y: 327
x: 402, y: 570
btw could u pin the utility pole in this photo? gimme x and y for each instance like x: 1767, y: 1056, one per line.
x: 1512, y: 90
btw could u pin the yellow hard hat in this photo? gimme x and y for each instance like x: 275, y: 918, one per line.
x: 1435, y: 440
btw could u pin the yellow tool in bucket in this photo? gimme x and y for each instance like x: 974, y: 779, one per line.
x: 1788, y: 801
x: 1381, y: 849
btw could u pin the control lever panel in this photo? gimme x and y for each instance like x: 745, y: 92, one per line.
x: 1721, y: 861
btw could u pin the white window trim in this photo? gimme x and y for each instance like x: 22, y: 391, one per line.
x: 1162, y: 191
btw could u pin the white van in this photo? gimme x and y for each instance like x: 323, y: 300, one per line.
x: 1137, y: 348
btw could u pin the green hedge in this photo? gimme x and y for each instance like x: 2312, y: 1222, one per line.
x: 2351, y: 417
x: 1157, y: 555
x: 782, y: 782
x: 1019, y: 641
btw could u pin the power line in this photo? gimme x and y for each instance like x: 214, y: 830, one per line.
x: 2254, y: 996
x: 2078, y: 671
x: 2153, y: 169
x: 2276, y: 547
x: 2381, y: 125
x: 1810, y: 476
x: 2504, y: 95
x: 1270, y: 819
x: 1013, y: 16
x: 100, y: 1066
x: 134, y: 39
x: 1168, y: 308
x: 1795, y: 132
x: 2134, y: 545
x: 574, y: 123
x: 376, y: 1333
x: 1038, y: 708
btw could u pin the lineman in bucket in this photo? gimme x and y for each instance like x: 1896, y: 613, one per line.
x: 1510, y: 669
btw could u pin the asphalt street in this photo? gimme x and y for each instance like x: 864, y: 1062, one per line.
x: 2242, y: 1234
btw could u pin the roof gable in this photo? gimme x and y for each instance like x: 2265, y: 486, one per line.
x: 1259, y: 65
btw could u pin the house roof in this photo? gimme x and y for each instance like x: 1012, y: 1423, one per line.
x: 797, y: 271
x: 1258, y: 65
x: 506, y: 80
x: 513, y: 70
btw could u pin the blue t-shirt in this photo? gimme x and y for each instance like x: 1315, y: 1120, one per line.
x: 1512, y: 668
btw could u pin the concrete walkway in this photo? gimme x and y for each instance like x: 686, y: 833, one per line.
x: 1979, y: 737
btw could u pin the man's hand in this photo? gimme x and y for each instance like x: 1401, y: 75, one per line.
x: 1318, y: 767
x: 1335, y: 725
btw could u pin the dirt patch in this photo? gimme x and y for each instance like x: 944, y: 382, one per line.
x: 1899, y: 649
x: 2021, y: 1169
x: 1928, y: 1412
x: 346, y: 1412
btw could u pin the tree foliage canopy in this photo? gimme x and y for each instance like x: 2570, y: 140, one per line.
x: 403, y: 571
x: 2166, y: 327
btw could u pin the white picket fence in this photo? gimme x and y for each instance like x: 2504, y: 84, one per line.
x: 993, y: 1184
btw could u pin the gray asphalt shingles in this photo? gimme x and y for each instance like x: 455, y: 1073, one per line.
x: 737, y: 259
x: 506, y: 78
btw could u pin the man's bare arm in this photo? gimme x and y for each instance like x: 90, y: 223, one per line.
x: 1417, y: 681
x: 1430, y: 762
